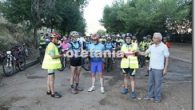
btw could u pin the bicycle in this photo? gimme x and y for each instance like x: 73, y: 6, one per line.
x: 13, y: 59
x: 26, y: 51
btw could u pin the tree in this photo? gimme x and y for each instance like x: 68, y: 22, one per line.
x: 145, y: 16
x: 101, y: 32
x: 63, y: 15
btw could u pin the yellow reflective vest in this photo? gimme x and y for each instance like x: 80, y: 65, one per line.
x: 143, y: 45
x: 131, y: 61
x: 42, y: 40
x: 48, y: 61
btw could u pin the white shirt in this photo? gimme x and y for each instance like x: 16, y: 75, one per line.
x: 157, y: 55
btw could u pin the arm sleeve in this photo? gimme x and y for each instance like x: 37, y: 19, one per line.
x: 166, y: 52
x: 148, y: 50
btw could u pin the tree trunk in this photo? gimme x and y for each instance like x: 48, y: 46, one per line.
x: 35, y: 37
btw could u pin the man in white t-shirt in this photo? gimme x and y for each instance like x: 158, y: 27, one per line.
x: 158, y: 67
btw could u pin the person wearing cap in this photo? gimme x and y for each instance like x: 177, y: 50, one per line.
x: 75, y: 62
x: 129, y: 63
x: 158, y: 65
x: 96, y: 62
x: 51, y: 62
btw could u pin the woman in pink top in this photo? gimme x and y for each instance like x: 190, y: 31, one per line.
x: 64, y: 45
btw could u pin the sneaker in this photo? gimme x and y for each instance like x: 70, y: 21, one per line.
x: 92, y: 88
x: 56, y: 95
x: 102, y: 90
x: 74, y: 91
x: 79, y: 89
x: 48, y: 92
x: 157, y: 101
x: 133, y: 95
x: 124, y: 91
x: 148, y: 98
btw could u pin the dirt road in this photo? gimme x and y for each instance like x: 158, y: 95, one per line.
x: 26, y: 91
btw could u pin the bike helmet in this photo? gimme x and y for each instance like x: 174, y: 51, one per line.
x: 74, y: 33
x: 95, y: 37
x: 109, y: 37
x: 144, y: 38
x: 118, y: 35
x: 55, y: 34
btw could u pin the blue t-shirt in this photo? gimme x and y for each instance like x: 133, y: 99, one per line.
x: 108, y: 46
x: 93, y: 49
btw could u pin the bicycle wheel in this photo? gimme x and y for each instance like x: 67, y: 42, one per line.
x: 26, y: 51
x: 8, y: 66
x: 86, y: 64
x: 21, y: 63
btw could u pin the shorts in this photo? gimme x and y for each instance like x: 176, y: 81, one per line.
x: 75, y: 61
x: 51, y: 72
x: 129, y: 71
x: 96, y: 67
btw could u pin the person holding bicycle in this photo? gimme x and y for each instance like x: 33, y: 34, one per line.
x: 75, y: 62
x: 96, y: 62
x: 51, y: 62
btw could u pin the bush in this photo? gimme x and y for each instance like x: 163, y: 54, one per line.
x: 11, y: 34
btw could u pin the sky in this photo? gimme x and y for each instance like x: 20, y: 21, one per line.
x: 93, y: 13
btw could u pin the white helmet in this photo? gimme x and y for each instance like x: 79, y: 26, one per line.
x: 74, y: 33
x: 118, y: 35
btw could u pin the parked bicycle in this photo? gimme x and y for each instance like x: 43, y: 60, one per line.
x: 14, y: 61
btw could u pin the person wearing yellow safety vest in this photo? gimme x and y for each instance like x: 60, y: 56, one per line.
x: 135, y: 47
x: 149, y: 43
x: 42, y: 40
x: 52, y: 62
x: 128, y: 64
x: 143, y: 46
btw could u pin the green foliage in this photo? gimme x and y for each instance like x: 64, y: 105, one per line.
x: 144, y: 16
x: 101, y: 32
x: 63, y: 15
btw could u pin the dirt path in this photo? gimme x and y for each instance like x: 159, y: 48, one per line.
x: 26, y: 91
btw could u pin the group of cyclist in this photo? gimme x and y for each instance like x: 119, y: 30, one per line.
x: 126, y: 43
